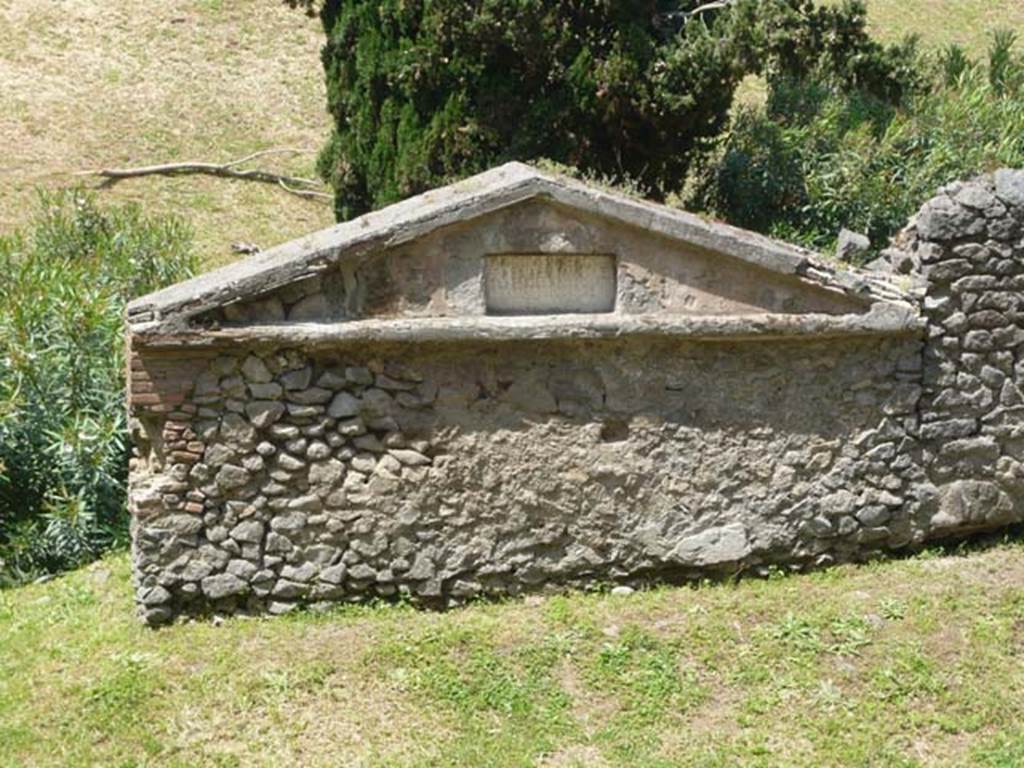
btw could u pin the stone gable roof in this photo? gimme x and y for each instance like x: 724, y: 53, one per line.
x: 171, y: 308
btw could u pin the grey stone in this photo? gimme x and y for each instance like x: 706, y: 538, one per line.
x: 223, y: 585
x: 289, y: 589
x: 297, y: 379
x: 351, y: 427
x: 386, y: 382
x: 271, y: 391
x: 255, y: 370
x: 973, y: 448
x: 280, y: 607
x: 301, y: 573
x: 250, y: 531
x: 298, y: 445
x: 362, y: 572
x: 359, y: 375
x: 376, y: 403
x: 290, y: 463
x: 230, y: 477
x: 306, y: 503
x: 343, y: 405
x: 874, y: 516
x: 1010, y: 186
x: 317, y: 451
x: 851, y: 244
x: 388, y: 466
x: 369, y: 443
x: 332, y: 379
x: 284, y: 431
x: 263, y: 413
x: 409, y: 457
x: 155, y: 596
x: 298, y: 411
x: 253, y: 464
x: 335, y: 574
x: 943, y: 219
x: 326, y: 473
x: 726, y: 544
x: 364, y: 462
x: 235, y: 429
x: 969, y: 504
x: 278, y: 543
x: 423, y: 567
x: 183, y: 525
x: 977, y: 197
x: 840, y: 502
x: 232, y: 386
x: 290, y: 523
x: 243, y: 569
x: 157, y: 614
x: 311, y: 396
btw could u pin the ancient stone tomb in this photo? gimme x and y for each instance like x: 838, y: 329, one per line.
x: 521, y: 382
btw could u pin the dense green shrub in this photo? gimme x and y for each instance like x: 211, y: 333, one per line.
x: 818, y: 157
x: 63, y: 451
x: 426, y: 92
x: 423, y: 93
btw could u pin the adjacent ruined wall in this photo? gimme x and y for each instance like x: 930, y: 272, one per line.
x: 967, y: 246
x: 267, y: 478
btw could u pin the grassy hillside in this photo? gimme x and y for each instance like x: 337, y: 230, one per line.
x: 907, y: 663
x: 90, y: 84
x: 93, y: 83
x: 940, y: 22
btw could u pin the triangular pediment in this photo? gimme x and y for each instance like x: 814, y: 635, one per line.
x: 515, y: 241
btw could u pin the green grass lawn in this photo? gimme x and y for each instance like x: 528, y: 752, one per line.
x: 907, y: 663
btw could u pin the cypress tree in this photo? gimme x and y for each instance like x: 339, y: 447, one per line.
x: 424, y: 92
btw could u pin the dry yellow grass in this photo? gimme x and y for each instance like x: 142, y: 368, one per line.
x: 91, y: 83
x: 968, y: 23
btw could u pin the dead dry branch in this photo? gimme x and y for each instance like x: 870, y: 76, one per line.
x: 296, y: 185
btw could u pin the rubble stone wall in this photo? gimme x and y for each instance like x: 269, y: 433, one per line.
x: 269, y: 478
x: 967, y: 244
x: 451, y: 471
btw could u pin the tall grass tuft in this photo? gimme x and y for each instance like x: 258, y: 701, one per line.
x: 63, y: 451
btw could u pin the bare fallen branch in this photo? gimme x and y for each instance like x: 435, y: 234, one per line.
x: 306, y: 192
x: 295, y: 185
x: 685, y: 16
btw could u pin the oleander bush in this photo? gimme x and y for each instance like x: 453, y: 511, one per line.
x: 819, y: 157
x: 63, y: 448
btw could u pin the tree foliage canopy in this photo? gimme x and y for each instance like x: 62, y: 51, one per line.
x: 424, y: 92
